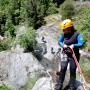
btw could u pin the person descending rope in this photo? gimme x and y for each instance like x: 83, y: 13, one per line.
x: 73, y: 39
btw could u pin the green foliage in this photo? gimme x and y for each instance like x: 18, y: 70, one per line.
x: 67, y: 9
x: 28, y: 39
x: 23, y: 11
x: 5, y: 44
x: 9, y: 29
x: 30, y: 84
x: 85, y: 66
x: 52, y: 9
x: 83, y: 18
x: 4, y: 87
x: 37, y: 10
x: 33, y: 11
x: 2, y: 22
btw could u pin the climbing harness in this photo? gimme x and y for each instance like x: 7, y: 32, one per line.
x: 80, y: 71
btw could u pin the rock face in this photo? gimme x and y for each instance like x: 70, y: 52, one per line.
x: 16, y: 67
x: 43, y: 84
x: 49, y: 36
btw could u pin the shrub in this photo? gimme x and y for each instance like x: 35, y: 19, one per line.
x: 4, y: 87
x: 52, y: 9
x: 28, y: 39
x: 37, y: 10
x: 67, y: 9
x: 9, y: 29
x: 84, y: 62
x: 5, y: 44
x: 83, y: 18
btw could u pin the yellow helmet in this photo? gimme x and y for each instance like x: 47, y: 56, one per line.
x: 66, y: 24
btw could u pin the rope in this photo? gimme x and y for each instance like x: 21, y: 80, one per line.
x: 80, y: 71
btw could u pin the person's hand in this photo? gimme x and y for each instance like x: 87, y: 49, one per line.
x: 65, y: 46
x: 71, y: 46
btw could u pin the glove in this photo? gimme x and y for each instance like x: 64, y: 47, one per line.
x: 64, y: 46
x: 71, y: 46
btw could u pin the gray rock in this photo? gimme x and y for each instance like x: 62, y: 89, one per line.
x: 44, y: 83
x: 16, y: 67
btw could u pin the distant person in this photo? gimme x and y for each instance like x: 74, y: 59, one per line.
x: 73, y: 39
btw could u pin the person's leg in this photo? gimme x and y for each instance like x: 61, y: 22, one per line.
x: 64, y: 63
x: 72, y: 73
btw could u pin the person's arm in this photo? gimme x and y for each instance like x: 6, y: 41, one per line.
x: 60, y: 41
x: 80, y: 41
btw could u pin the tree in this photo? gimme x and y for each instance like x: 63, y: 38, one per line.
x: 36, y: 11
